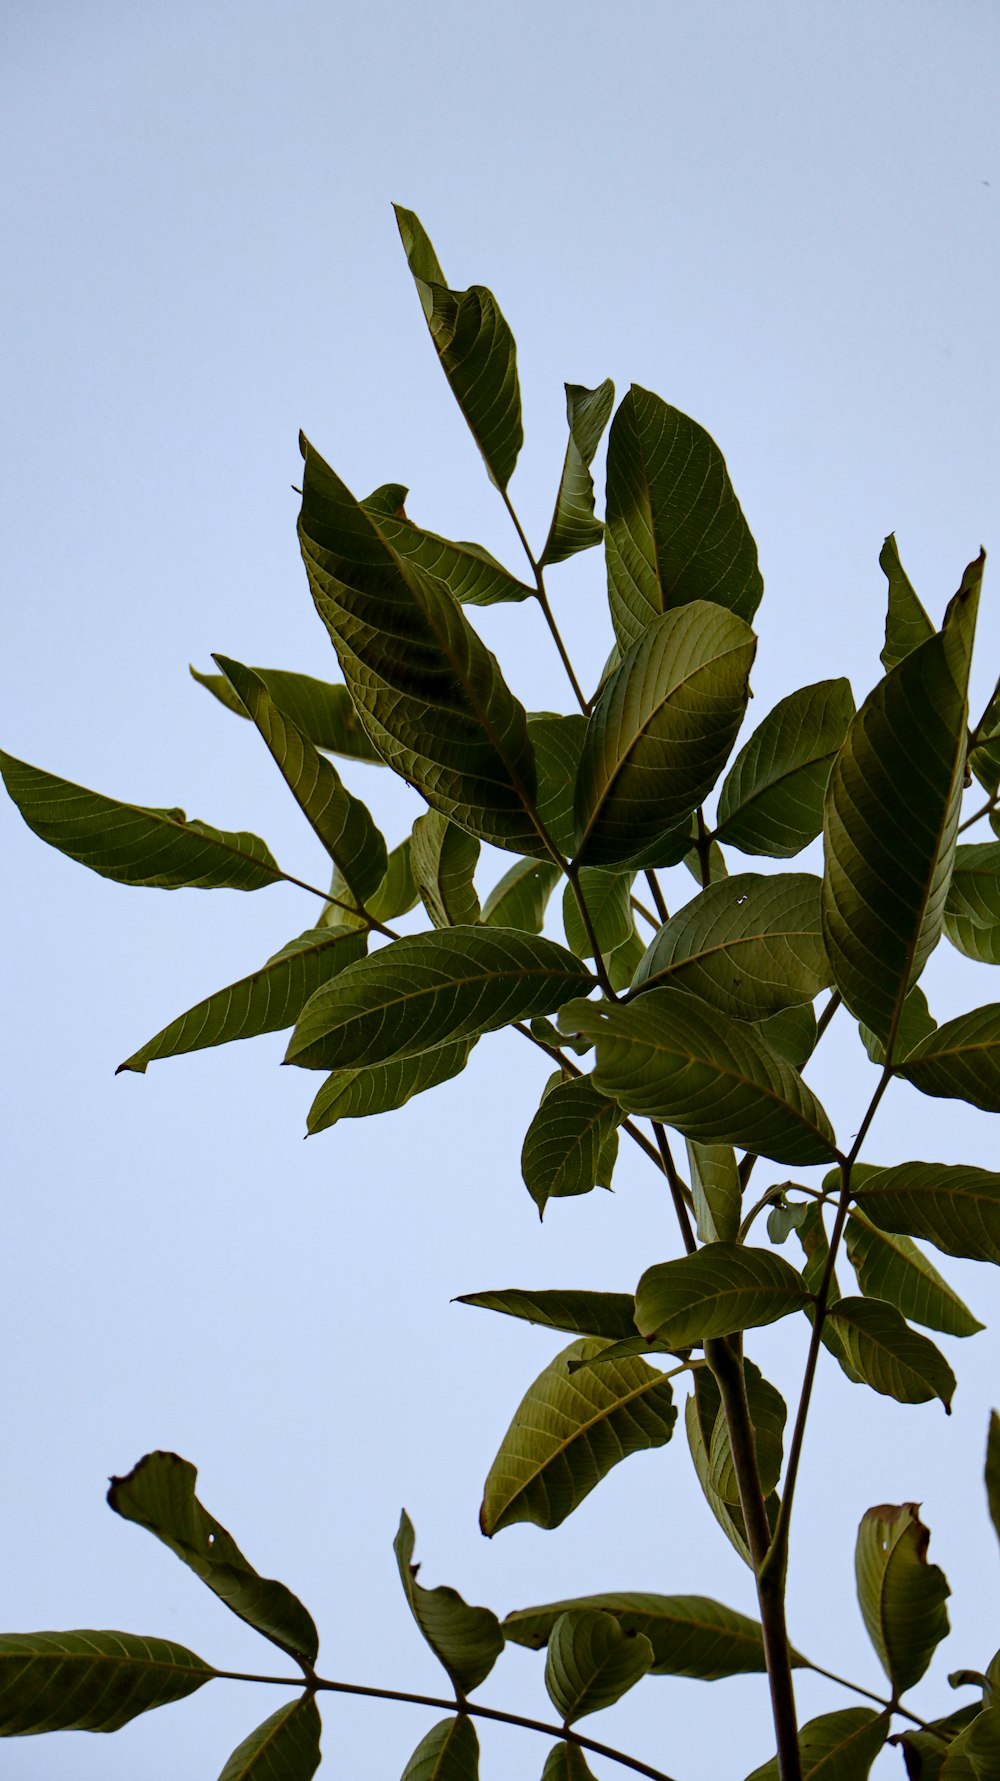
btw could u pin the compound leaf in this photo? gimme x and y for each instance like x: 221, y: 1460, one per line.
x: 574, y: 527
x: 467, y: 1641
x: 90, y: 1681
x: 771, y: 800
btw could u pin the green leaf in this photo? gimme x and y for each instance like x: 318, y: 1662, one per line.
x: 396, y: 895
x: 701, y: 1415
x: 467, y: 1641
x: 342, y: 823
x: 674, y: 530
x: 623, y: 961
x: 264, y: 1002
x: 565, y: 1763
x: 592, y: 1661
x: 449, y: 1752
x: 894, y: 1269
x: 574, y: 527
x: 792, y: 1033
x: 558, y: 744
x: 984, y: 754
x: 608, y: 1314
x: 906, y: 623
x: 669, y: 1056
x: 889, y: 1356
x: 606, y: 895
x: 768, y: 1415
x: 90, y: 1681
x: 476, y: 351
x: 133, y: 844
x: 426, y: 989
x: 715, y: 1292
x: 892, y: 812
x: 750, y: 945
x: 960, y: 1060
x: 159, y: 1494
x: 569, y: 1431
x: 544, y: 1030
x: 381, y: 1088
x: 469, y: 572
x: 428, y: 692
x: 955, y: 1207
x: 811, y: 1232
x: 716, y: 1190
x: 835, y: 1747
x: 993, y: 1471
x: 284, y: 1748
x: 520, y: 898
x: 925, y: 1751
x: 563, y: 1145
x: 771, y: 800
x: 972, y: 912
x: 915, y: 1023
x: 660, y: 733
x: 689, y: 1634
x: 444, y: 860
x: 975, y: 1753
x: 901, y: 1596
x: 323, y: 712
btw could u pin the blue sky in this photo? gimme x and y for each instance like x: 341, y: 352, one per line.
x: 783, y: 218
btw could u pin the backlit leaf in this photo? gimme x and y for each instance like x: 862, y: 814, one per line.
x: 792, y: 1033
x: 608, y: 1314
x: 715, y: 1190
x: 592, y: 1661
x: 811, y: 1232
x: 520, y: 898
x: 714, y: 1292
x: 701, y: 1414
x: 574, y: 526
x: 565, y: 1762
x: 993, y: 1471
x: 469, y: 572
x: 915, y: 1023
x: 322, y: 710
x: 558, y: 744
x: 444, y: 859
x: 690, y: 1635
x: 381, y: 1088
x: 889, y: 1356
x: 975, y: 1753
x: 449, y: 1752
x: 961, y: 1060
x: 771, y: 800
x: 768, y: 1415
x: 901, y: 1596
x: 894, y: 1269
x: 396, y: 895
x: 284, y: 1748
x: 606, y: 895
x: 467, y: 1641
x: 90, y: 1681
x: 955, y: 1207
x: 835, y: 1747
x: 906, y: 623
x: 563, y: 1144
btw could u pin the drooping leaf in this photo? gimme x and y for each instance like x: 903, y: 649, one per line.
x: 444, y: 859
x: 476, y: 351
x: 427, y: 989
x: 750, y: 945
x: 469, y: 572
x: 565, y: 1762
x: 960, y: 1060
x: 396, y: 895
x: 674, y: 530
x: 906, y: 623
x: 993, y: 1471
x: 716, y: 1291
x: 449, y: 1752
x: 606, y: 895
x: 381, y: 1088
x: 835, y: 1747
x: 892, y: 812
x: 569, y: 1431
x: 690, y: 1635
x: 771, y: 800
x: 558, y: 744
x: 159, y: 1494
x: 607, y: 1314
x: 715, y: 1190
x: 562, y: 1149
x: 90, y: 1681
x: 134, y: 844
x: 342, y: 823
x: 660, y: 733
x: 768, y: 1415
x: 975, y: 1753
x: 592, y: 1661
x: 701, y: 1415
x: 915, y: 1023
x: 520, y: 898
x: 574, y: 526
x: 670, y: 1056
x: 284, y: 1748
x: 955, y: 1207
x: 894, y: 1269
x: 901, y: 1596
x: 323, y: 711
x: 264, y: 1002
x: 467, y: 1641
x: 427, y: 690
x: 889, y: 1356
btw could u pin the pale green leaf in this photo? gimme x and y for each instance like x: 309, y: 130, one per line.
x: 449, y: 1752
x: 323, y: 711
x: 592, y: 1661
x: 563, y: 1146
x: 888, y: 1355
x: 960, y: 1060
x: 381, y: 1088
x: 953, y: 1206
x: 690, y: 1635
x: 715, y: 1190
x: 894, y: 1269
x: 520, y: 898
x: 606, y: 895
x: 835, y: 1747
x: 284, y: 1748
x: 714, y: 1292
x: 901, y: 1596
x: 574, y: 526
x: 443, y: 859
x: 90, y: 1681
x: 771, y: 800
x: 906, y: 623
x: 467, y: 1641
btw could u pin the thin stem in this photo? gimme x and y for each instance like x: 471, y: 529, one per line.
x: 835, y: 1002
x: 879, y: 1699
x: 657, y: 895
x: 647, y: 914
x: 984, y: 811
x: 704, y: 846
x: 543, y: 601
x: 676, y: 1185
x: 573, y: 875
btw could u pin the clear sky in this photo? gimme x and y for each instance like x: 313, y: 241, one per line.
x: 783, y: 218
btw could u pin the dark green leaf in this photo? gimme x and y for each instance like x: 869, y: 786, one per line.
x: 689, y: 1634
x: 574, y: 527
x: 961, y: 1060
x: 993, y: 1471
x: 90, y: 1681
x: 894, y: 1269
x: 701, y: 1415
x: 324, y: 712
x: 476, y: 351
x: 565, y: 1763
x: 444, y: 859
x: 836, y: 1746
x: 771, y: 800
x: 901, y: 1596
x: 975, y: 1753
x: 660, y: 732
x: 467, y: 1641
x: 669, y: 1056
x: 715, y: 1190
x: 714, y: 1292
x: 792, y: 1033
x: 565, y: 1140
x: 768, y: 1415
x: 892, y: 812
x: 568, y: 1432
x: 623, y: 961
x: 544, y: 1030
x: 159, y: 1494
x: 134, y: 844
x: 521, y: 897
x: 811, y: 1232
x: 972, y: 912
x: 906, y: 623
x: 264, y: 1002
x: 674, y: 531
x: 284, y: 1748
x: 426, y: 989
x: 606, y: 895
x: 428, y: 692
x: 915, y: 1023
x: 558, y: 744
x: 450, y: 1752
x: 950, y: 1205
x: 469, y: 572
x: 889, y: 1356
x: 342, y: 823
x: 984, y: 755
x: 608, y: 1314
x: 381, y: 1088
x: 592, y: 1661
x: 750, y: 945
